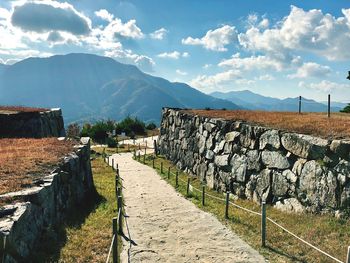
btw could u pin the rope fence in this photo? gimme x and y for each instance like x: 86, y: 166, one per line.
x: 117, y: 222
x: 262, y: 214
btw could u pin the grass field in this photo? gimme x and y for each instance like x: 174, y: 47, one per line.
x: 337, y: 126
x: 327, y: 233
x: 87, y: 233
x: 23, y: 160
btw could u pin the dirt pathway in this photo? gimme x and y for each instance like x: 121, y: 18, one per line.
x: 168, y: 228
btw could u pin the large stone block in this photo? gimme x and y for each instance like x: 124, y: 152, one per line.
x: 304, y: 146
x: 269, y: 139
x: 273, y: 159
x: 239, y: 167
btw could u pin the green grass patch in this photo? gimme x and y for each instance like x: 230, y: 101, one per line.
x: 86, y: 235
x: 324, y: 231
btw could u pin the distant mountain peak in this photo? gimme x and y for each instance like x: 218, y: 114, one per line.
x: 91, y: 87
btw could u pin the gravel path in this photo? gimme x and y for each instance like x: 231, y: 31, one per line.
x: 168, y: 228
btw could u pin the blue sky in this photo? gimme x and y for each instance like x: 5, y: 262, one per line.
x: 275, y: 48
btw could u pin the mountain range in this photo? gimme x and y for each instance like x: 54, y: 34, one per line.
x: 90, y: 87
x: 253, y: 101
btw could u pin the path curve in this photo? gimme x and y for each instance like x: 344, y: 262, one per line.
x: 169, y: 228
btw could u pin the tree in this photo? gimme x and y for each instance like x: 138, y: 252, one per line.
x: 346, y: 109
x: 129, y: 125
x: 73, y: 130
x: 151, y: 126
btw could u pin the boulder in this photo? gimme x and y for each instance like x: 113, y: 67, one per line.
x: 270, y: 139
x: 210, y: 155
x: 210, y: 179
x: 341, y: 148
x: 253, y: 160
x: 280, y: 184
x: 239, y: 167
x: 304, y: 146
x: 231, y: 136
x: 201, y: 144
x: 318, y: 185
x: 262, y: 184
x: 221, y: 160
x: 290, y: 205
x: 274, y: 159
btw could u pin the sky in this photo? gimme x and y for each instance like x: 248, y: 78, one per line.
x: 272, y: 47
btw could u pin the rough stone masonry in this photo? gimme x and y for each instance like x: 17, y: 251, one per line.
x: 44, y: 205
x: 295, y: 172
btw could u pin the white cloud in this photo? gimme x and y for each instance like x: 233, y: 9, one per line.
x: 311, y: 31
x: 324, y: 86
x: 105, y: 15
x: 265, y: 77
x: 215, y: 82
x: 244, y: 82
x: 159, y: 34
x: 264, y: 23
x: 180, y: 72
x: 45, y: 16
x: 129, y: 29
x: 252, y: 63
x: 145, y: 63
x: 4, y: 13
x: 311, y: 69
x: 206, y: 66
x: 173, y: 55
x: 215, y: 40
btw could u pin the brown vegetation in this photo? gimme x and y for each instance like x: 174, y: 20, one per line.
x: 24, y: 160
x: 21, y: 109
x: 318, y: 124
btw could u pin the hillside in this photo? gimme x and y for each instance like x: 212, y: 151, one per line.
x: 91, y: 87
x: 253, y: 101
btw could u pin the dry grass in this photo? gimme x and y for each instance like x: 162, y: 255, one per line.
x: 21, y: 109
x: 324, y: 231
x: 318, y: 124
x: 87, y: 233
x: 24, y: 160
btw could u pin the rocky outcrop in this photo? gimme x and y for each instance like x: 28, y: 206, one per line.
x: 44, y: 205
x: 293, y: 171
x: 32, y: 124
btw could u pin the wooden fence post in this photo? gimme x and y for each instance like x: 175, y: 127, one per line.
x: 115, y: 243
x: 108, y: 160
x: 348, y: 256
x: 203, y: 195
x: 177, y: 179
x: 112, y: 163
x: 188, y: 187
x: 139, y: 156
x: 144, y: 158
x: 299, y: 104
x: 120, y: 214
x: 139, y: 146
x: 227, y: 204
x: 263, y: 224
x: 329, y: 105
x: 118, y: 168
x: 155, y: 147
x: 168, y: 172
x: 161, y: 167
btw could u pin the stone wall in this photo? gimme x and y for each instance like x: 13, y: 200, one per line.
x: 32, y: 124
x: 292, y: 171
x: 44, y: 205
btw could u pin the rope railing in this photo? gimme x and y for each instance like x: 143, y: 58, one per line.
x: 117, y: 223
x: 261, y: 215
